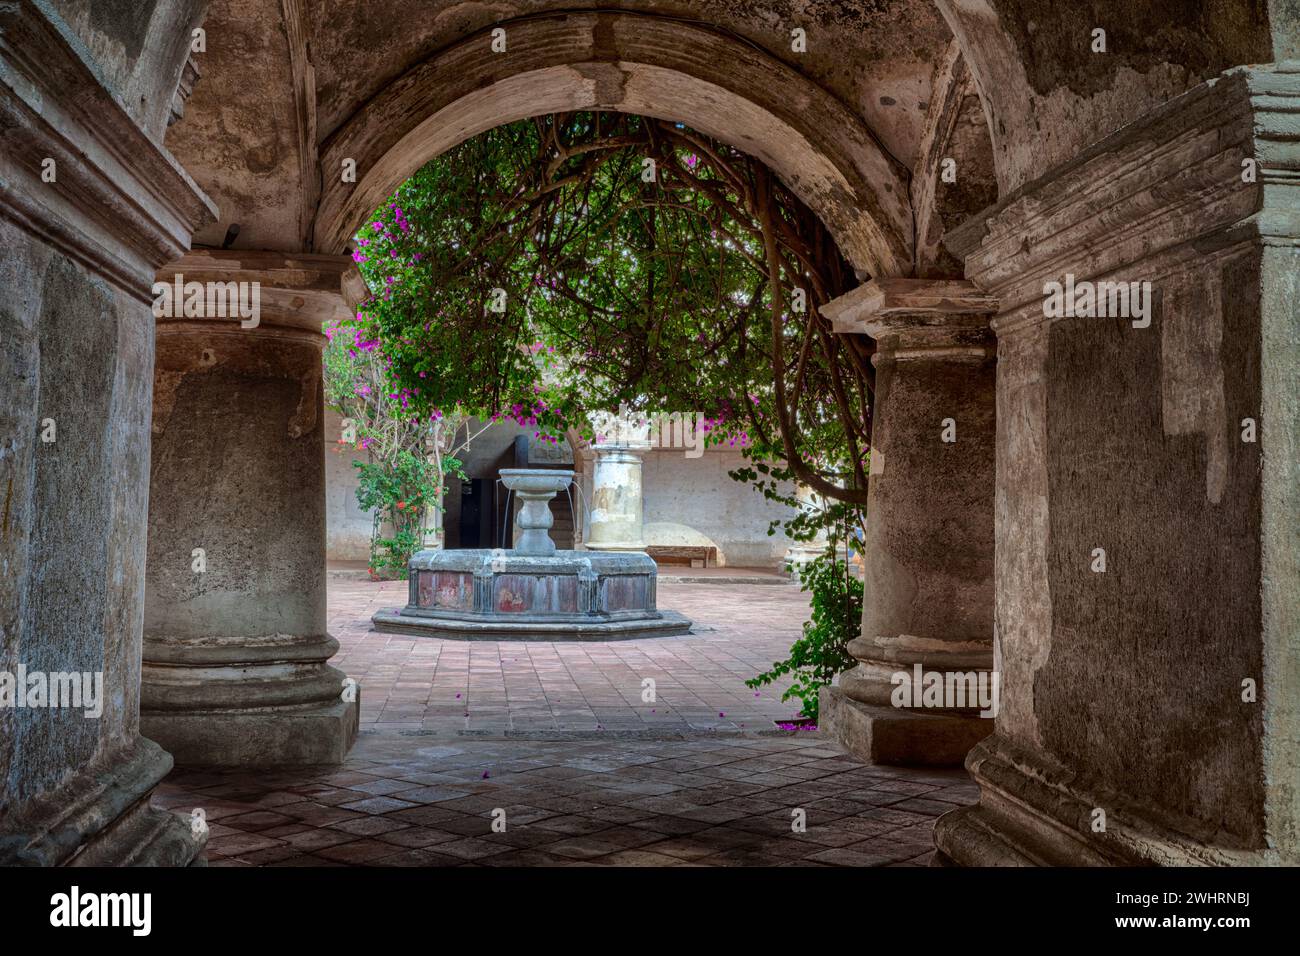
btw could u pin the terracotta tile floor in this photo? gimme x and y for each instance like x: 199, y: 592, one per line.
x: 414, y: 800
x: 450, y: 687
x: 557, y: 737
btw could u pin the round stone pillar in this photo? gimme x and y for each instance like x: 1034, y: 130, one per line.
x: 235, y: 665
x: 617, y: 503
x: 925, y: 653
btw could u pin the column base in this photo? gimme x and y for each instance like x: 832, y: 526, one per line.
x: 890, y: 735
x: 271, y: 737
x: 1033, y: 813
x: 261, y: 701
x: 103, y: 817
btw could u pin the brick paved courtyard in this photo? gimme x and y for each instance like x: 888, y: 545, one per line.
x: 415, y: 800
x: 449, y: 687
x: 557, y: 736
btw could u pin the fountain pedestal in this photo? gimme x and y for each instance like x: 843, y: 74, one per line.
x: 534, y: 592
x: 535, y: 487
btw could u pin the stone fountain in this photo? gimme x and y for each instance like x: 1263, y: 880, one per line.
x: 534, y: 591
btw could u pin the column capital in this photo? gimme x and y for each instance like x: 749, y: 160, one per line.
x: 620, y: 432
x: 914, y: 312
x: 300, y: 291
x: 635, y: 448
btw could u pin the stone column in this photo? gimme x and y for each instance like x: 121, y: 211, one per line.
x: 1148, y: 495
x: 616, y: 498
x: 927, y: 622
x: 235, y: 642
x: 91, y: 206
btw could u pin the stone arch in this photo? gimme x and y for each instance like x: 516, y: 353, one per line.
x: 634, y: 63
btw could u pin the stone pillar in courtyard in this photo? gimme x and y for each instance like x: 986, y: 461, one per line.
x: 235, y: 642
x: 617, y: 501
x: 926, y: 646
x: 91, y: 206
x: 1148, y: 495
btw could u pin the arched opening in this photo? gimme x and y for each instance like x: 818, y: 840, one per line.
x: 633, y: 63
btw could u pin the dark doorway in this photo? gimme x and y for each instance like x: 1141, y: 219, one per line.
x: 476, y: 513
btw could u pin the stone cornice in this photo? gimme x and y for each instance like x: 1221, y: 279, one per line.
x: 120, y: 204
x: 882, y: 306
x: 1170, y: 185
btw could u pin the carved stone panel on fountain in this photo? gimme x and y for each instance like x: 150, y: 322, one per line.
x: 542, y: 594
x: 625, y: 593
x: 446, y: 589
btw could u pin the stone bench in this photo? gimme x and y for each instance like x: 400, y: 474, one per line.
x: 694, y: 556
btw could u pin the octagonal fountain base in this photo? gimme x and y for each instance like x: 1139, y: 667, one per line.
x: 507, y: 596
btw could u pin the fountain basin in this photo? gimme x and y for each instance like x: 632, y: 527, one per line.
x: 536, y: 481
x: 504, y: 595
